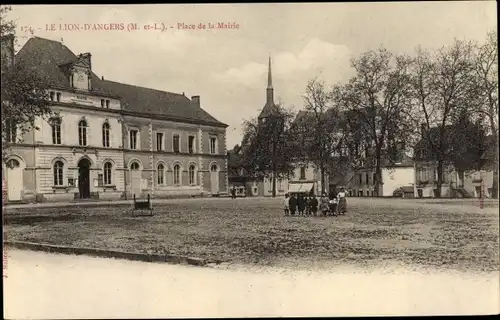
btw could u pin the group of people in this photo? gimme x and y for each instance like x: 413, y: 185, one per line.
x: 303, y: 205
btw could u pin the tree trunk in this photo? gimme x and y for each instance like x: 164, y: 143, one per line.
x: 274, y: 181
x: 322, y: 173
x: 378, y: 175
x: 439, y: 182
x: 494, y: 187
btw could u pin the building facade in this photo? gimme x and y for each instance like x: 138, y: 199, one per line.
x: 394, y: 178
x: 466, y: 182
x: 307, y: 179
x: 109, y: 140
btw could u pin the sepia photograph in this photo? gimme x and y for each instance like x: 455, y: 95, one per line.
x: 250, y: 160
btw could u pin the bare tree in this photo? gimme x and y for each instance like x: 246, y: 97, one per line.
x: 24, y: 92
x: 486, y: 81
x: 321, y: 129
x: 268, y: 152
x: 442, y: 87
x: 377, y: 97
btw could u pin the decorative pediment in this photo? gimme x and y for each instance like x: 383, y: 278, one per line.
x: 81, y: 64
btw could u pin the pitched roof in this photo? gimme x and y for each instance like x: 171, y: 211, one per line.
x: 269, y: 109
x: 49, y: 58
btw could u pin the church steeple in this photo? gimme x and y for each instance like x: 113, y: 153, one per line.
x: 269, y: 107
x: 270, y: 90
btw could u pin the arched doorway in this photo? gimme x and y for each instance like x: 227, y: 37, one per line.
x: 214, y: 179
x: 135, y: 179
x: 84, y: 178
x: 14, y: 180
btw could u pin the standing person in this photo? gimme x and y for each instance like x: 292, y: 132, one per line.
x: 233, y: 192
x: 293, y: 204
x: 314, y: 205
x: 333, y: 206
x: 301, y: 204
x: 308, y: 205
x: 342, y: 201
x: 323, y: 205
x: 286, y: 205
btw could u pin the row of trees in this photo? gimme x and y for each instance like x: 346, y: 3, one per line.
x: 446, y: 99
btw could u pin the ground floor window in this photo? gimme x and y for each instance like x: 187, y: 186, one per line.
x: 192, y: 174
x: 58, y: 173
x: 177, y: 174
x: 161, y: 174
x: 107, y: 173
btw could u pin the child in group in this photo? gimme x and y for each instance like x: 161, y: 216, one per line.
x: 323, y: 206
x: 308, y: 205
x: 286, y: 205
x: 292, y: 203
x: 301, y: 204
x: 314, y: 205
x: 333, y: 206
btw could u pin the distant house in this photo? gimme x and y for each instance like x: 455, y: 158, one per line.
x: 396, y: 174
x: 457, y: 182
x: 238, y: 176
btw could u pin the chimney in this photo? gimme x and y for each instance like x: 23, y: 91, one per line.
x: 7, y: 50
x: 196, y: 100
x: 87, y: 57
x: 102, y: 78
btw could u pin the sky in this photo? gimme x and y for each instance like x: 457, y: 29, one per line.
x: 227, y: 68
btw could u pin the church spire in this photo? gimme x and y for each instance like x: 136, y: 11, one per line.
x: 270, y: 91
x: 269, y: 75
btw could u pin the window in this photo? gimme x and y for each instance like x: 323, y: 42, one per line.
x: 11, y: 130
x: 159, y: 141
x: 134, y: 166
x: 302, y: 173
x: 56, y: 131
x: 58, y: 173
x: 373, y: 177
x: 102, y: 103
x: 105, y: 135
x: 366, y: 178
x: 52, y: 95
x: 192, y: 174
x: 213, y: 145
x: 133, y: 139
x: 82, y: 133
x: 360, y: 179
x: 107, y: 173
x: 107, y: 103
x: 161, y: 174
x: 177, y: 175
x: 176, y: 143
x: 58, y: 96
x: 191, y: 144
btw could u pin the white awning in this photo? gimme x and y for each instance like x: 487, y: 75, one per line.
x: 300, y: 187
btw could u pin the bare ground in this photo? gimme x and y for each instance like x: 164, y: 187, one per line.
x: 443, y: 234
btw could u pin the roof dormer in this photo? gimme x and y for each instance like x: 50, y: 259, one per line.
x: 79, y: 72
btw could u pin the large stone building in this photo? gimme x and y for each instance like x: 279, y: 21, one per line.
x: 109, y: 140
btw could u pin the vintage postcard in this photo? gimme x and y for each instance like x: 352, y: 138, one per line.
x: 250, y: 160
